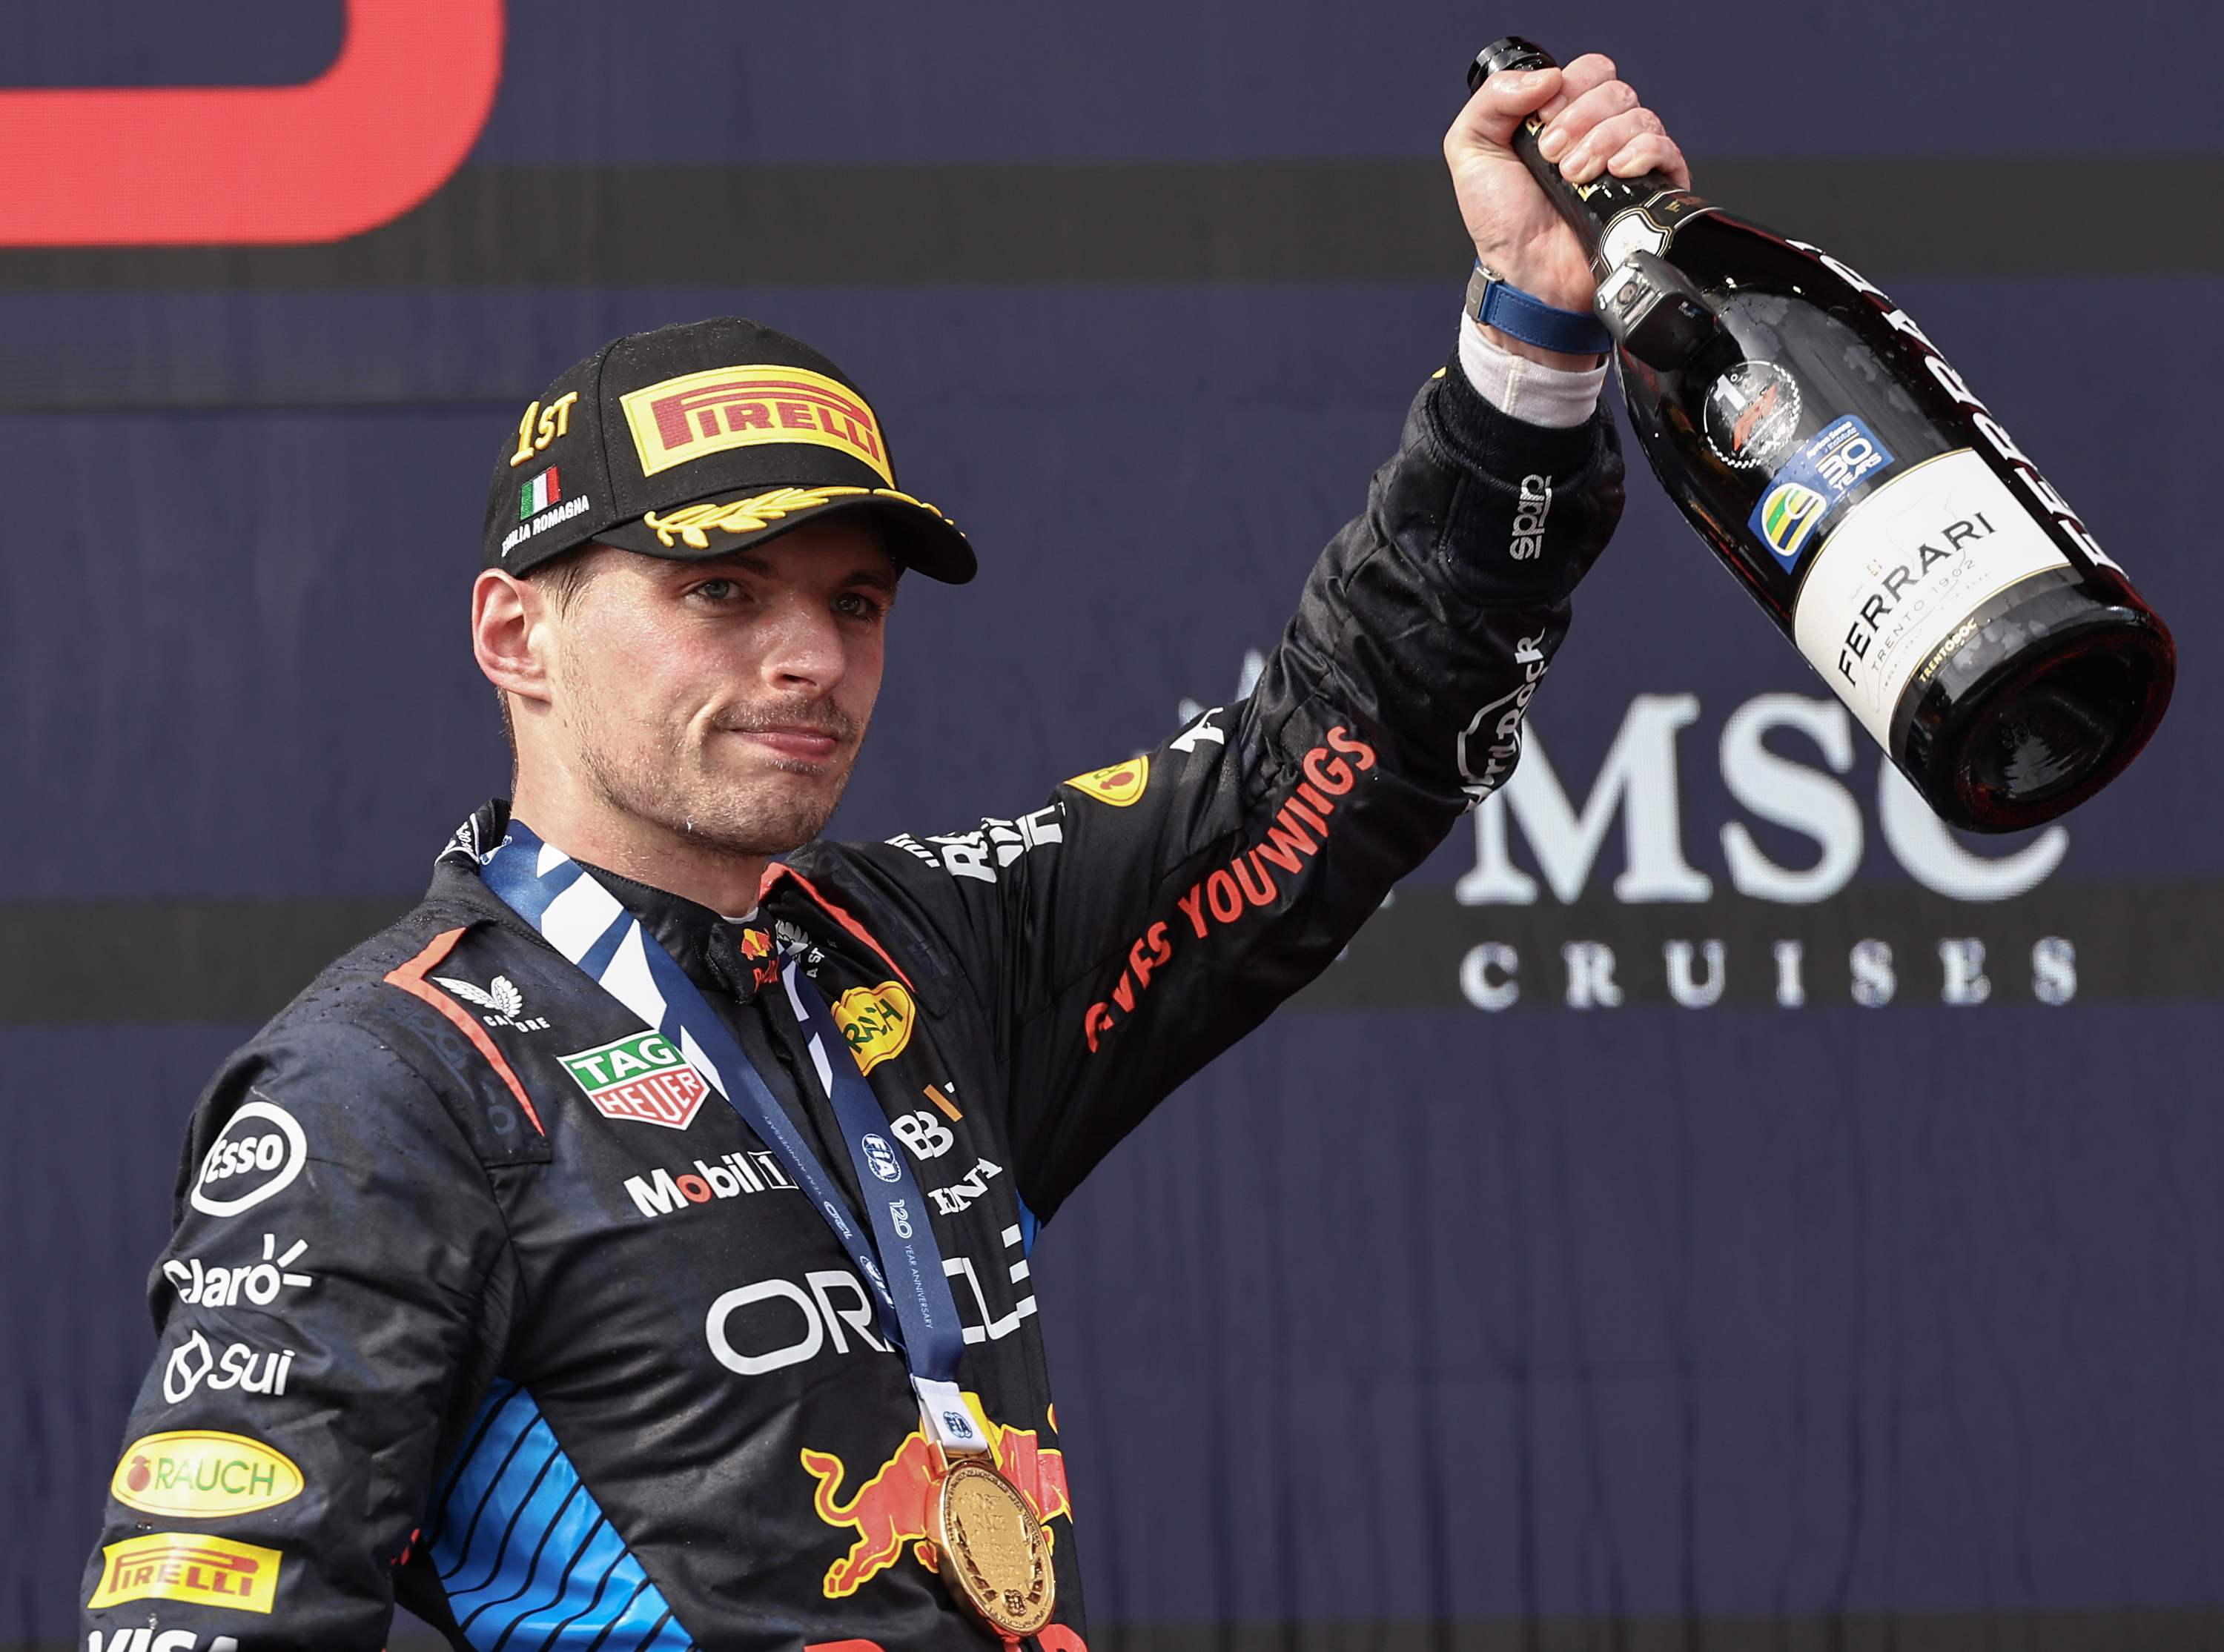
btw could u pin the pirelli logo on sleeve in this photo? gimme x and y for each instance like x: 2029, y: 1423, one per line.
x: 174, y: 1566
x: 702, y: 414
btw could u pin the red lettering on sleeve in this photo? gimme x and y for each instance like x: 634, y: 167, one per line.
x: 1295, y: 811
x: 1286, y: 842
x: 1189, y: 905
x: 1244, y: 866
x: 1330, y: 774
x: 1222, y: 895
x: 1358, y: 750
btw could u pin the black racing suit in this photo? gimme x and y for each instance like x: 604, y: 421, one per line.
x: 559, y: 1360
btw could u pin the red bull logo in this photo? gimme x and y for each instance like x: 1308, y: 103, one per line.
x: 891, y: 1509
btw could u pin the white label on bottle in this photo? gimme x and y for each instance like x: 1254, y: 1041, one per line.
x: 1631, y: 231
x: 1902, y: 574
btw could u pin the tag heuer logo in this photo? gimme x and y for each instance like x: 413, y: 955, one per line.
x: 640, y: 1077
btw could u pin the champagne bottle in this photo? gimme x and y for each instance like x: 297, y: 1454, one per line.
x: 1867, y: 499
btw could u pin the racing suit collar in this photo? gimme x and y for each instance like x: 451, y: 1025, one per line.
x: 715, y: 954
x: 708, y: 948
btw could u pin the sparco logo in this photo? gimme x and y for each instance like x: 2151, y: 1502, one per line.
x: 254, y: 1155
x: 1529, y: 520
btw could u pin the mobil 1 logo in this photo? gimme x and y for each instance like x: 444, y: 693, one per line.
x: 256, y: 1156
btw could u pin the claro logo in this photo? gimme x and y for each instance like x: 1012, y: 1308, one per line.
x: 256, y: 1155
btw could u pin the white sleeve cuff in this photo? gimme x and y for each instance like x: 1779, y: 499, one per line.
x: 1553, y: 397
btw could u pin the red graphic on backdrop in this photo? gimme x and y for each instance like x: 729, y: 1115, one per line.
x: 364, y: 142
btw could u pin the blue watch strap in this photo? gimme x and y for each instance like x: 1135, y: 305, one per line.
x: 1491, y: 301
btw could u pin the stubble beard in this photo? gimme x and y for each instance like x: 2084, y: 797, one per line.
x: 668, y: 784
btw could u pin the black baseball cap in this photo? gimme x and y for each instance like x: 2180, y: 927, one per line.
x: 699, y: 440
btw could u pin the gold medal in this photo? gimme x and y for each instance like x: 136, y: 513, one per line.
x: 994, y: 1551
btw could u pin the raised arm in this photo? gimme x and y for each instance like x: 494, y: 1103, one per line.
x: 1153, y: 913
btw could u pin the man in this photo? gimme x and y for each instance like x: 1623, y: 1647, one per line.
x: 628, y: 1248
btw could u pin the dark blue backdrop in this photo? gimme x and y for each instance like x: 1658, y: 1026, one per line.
x: 1822, y: 1317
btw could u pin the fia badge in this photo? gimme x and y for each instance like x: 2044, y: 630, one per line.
x: 993, y: 1551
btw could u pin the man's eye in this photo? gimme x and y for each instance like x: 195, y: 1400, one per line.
x: 855, y: 605
x: 717, y: 589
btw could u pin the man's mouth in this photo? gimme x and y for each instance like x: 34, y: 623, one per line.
x: 793, y: 744
x: 799, y: 734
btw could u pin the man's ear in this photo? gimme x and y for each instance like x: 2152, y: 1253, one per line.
x: 511, y: 622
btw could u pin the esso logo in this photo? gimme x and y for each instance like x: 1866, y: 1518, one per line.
x: 883, y: 1158
x: 254, y: 1155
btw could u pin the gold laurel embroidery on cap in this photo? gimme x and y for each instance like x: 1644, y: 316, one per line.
x: 693, y: 523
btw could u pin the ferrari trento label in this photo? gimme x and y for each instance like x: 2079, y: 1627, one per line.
x: 876, y: 1021
x: 176, y: 1565
x: 1894, y: 581
x: 640, y: 1077
x: 701, y: 414
x: 199, y: 1474
x: 1119, y: 785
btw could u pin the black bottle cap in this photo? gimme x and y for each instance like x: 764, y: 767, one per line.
x: 1512, y: 52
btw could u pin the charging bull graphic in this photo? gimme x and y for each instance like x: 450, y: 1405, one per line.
x: 890, y: 1510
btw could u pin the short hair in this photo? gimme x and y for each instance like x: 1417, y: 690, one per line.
x: 565, y: 575
x: 563, y: 578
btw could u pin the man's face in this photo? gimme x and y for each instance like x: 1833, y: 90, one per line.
x: 726, y: 699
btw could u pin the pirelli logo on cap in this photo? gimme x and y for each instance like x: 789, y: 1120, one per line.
x: 702, y: 414
x: 172, y: 1566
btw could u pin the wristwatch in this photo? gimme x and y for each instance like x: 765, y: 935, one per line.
x: 1494, y: 303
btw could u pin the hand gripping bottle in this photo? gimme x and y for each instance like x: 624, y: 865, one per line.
x: 1867, y: 499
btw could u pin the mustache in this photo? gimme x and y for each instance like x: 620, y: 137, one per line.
x: 813, y: 716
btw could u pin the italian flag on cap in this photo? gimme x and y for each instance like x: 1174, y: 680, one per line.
x: 538, y: 495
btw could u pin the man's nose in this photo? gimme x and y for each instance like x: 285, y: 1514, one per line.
x: 804, y: 650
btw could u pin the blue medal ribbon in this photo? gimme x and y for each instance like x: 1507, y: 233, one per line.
x: 590, y: 926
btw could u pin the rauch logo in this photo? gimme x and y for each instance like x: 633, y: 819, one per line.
x: 199, y: 1474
